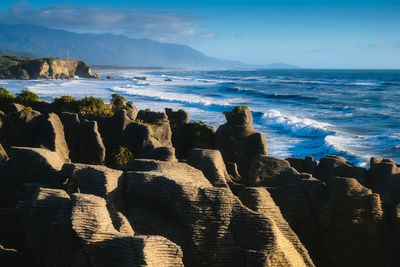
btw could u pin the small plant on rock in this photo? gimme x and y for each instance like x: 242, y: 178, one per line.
x: 94, y: 106
x: 27, y: 98
x: 67, y: 102
x: 122, y: 156
x: 25, y: 112
x: 5, y: 97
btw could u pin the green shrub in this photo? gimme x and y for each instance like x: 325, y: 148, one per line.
x: 5, y: 98
x: 94, y: 106
x: 123, y: 156
x: 117, y: 96
x: 118, y: 102
x: 27, y: 98
x: 67, y: 102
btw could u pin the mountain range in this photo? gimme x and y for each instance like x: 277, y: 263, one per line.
x: 103, y: 49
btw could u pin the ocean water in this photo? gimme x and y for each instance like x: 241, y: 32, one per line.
x: 351, y: 113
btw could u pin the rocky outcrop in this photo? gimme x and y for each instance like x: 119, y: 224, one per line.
x: 164, y: 153
x: 49, y: 235
x: 91, y: 149
x: 212, y: 165
x: 118, y: 102
x: 332, y: 166
x: 105, y: 246
x: 36, y: 165
x: 139, y: 139
x: 30, y: 128
x: 298, y: 196
x: 3, y: 154
x: 52, y: 136
x: 186, y: 136
x: 332, y: 218
x: 238, y: 141
x: 384, y: 179
x: 234, y: 206
x: 179, y: 116
x: 61, y: 231
x: 159, y: 124
x: 229, y: 234
x: 43, y: 68
x: 306, y: 165
x: 354, y: 232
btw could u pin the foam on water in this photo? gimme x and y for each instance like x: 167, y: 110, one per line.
x: 156, y: 94
x: 303, y: 112
x: 297, y: 126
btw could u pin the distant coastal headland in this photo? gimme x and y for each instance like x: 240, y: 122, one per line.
x: 87, y: 183
x: 25, y: 68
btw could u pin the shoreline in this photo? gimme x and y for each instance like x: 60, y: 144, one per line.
x: 285, y: 127
x: 155, y: 178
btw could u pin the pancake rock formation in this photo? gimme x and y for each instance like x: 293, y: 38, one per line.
x: 145, y: 188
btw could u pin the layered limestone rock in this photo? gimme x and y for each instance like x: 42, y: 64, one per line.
x: 139, y: 139
x: 188, y: 135
x: 306, y: 165
x: 341, y: 223
x: 48, y: 232
x: 52, y: 136
x: 84, y: 139
x: 106, y: 246
x: 179, y: 207
x: 332, y: 166
x: 36, y: 165
x: 354, y: 231
x: 179, y: 116
x: 91, y: 148
x: 212, y: 165
x: 30, y: 128
x: 238, y: 141
x: 384, y: 176
x: 298, y: 196
x: 80, y: 232
x: 160, y: 125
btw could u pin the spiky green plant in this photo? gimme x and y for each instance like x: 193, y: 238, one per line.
x: 122, y: 156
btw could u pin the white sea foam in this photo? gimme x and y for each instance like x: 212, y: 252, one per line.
x: 297, y: 126
x: 156, y: 93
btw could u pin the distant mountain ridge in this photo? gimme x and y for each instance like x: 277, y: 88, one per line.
x: 280, y: 65
x: 103, y: 49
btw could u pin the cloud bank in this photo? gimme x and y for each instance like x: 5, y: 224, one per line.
x: 384, y: 44
x: 133, y: 22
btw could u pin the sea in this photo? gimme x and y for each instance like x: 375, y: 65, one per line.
x: 350, y: 113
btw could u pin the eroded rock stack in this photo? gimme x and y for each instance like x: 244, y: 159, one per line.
x: 80, y: 190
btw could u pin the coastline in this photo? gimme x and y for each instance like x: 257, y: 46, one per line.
x: 300, y: 116
x: 114, y: 164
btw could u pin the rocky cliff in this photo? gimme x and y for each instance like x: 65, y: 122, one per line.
x: 84, y: 189
x: 15, y: 67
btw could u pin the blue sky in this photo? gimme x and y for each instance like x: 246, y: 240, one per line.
x: 306, y: 33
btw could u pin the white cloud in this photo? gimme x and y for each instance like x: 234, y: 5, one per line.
x: 384, y: 44
x: 133, y: 22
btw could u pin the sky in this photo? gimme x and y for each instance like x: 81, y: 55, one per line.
x: 304, y: 33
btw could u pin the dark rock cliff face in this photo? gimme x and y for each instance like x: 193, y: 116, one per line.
x: 225, y: 203
x: 14, y: 67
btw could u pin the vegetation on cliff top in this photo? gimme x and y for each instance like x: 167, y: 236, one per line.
x: 87, y: 106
